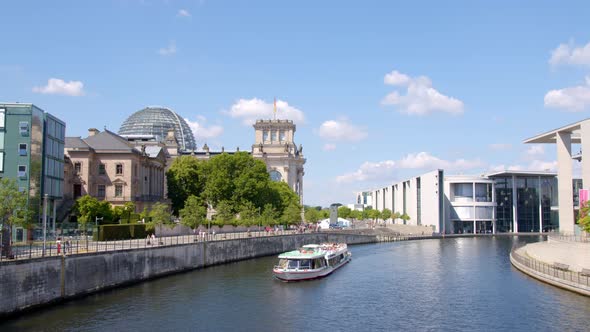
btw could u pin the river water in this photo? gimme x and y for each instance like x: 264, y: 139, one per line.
x: 460, y: 284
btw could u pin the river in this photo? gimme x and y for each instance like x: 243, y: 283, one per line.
x: 459, y: 284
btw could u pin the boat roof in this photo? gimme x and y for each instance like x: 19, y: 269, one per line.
x: 298, y: 254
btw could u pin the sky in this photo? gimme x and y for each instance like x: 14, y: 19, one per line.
x: 380, y: 91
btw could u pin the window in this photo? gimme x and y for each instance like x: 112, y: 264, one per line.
x: 22, y: 149
x: 22, y: 171
x: 102, y: 169
x: 118, y: 190
x: 265, y: 136
x: 2, y: 114
x: 101, y: 191
x: 119, y: 169
x: 77, y: 168
x: 1, y: 140
x: 1, y: 161
x: 282, y: 135
x: 273, y: 135
x: 23, y: 128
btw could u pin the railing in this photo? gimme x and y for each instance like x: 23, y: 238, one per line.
x: 81, y: 245
x: 558, y: 271
x: 570, y: 238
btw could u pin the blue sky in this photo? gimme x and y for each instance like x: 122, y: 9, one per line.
x: 380, y: 91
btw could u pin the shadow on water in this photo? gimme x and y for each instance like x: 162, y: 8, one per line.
x: 459, y: 284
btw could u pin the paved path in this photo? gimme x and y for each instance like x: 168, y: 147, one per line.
x: 574, y: 254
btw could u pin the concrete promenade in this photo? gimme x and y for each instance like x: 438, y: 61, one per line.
x: 558, y: 261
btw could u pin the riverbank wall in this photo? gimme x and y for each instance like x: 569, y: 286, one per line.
x: 37, y: 282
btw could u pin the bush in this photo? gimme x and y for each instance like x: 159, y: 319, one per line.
x: 121, y: 232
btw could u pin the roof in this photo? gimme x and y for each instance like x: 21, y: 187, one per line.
x: 76, y: 143
x: 151, y: 150
x: 107, y: 140
x: 521, y: 173
x: 550, y: 136
x: 302, y: 254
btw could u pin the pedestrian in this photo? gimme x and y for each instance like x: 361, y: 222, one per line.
x: 213, y: 234
x: 148, y: 240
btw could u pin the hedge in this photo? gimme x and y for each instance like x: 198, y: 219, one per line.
x: 121, y: 232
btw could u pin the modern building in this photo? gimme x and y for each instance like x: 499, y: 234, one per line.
x: 507, y: 201
x: 32, y: 153
x: 109, y: 167
x: 563, y: 138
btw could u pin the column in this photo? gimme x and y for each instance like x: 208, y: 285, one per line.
x: 585, y: 133
x: 53, y: 216
x: 494, y: 208
x: 540, y: 205
x: 514, y: 206
x: 564, y: 182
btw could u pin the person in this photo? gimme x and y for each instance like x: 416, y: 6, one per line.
x: 148, y: 240
x: 213, y: 234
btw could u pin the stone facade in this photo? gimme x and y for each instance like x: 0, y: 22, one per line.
x: 106, y: 166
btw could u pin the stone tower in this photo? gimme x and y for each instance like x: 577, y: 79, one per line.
x: 275, y: 146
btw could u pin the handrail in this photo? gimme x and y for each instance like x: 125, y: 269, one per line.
x: 556, y: 270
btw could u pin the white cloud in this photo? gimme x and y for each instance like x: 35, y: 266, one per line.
x: 183, y: 13
x: 420, y: 98
x: 535, y: 165
x: 342, y: 130
x: 575, y: 99
x: 385, y: 170
x: 203, y: 132
x: 569, y: 54
x: 170, y: 50
x: 500, y: 146
x: 250, y: 110
x: 56, y: 86
x: 329, y: 147
x: 535, y: 150
x: 396, y: 78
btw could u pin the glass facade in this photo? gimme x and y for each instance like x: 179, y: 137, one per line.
x: 158, y: 121
x: 504, y: 210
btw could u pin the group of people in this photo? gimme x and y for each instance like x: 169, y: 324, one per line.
x: 151, y: 238
x: 67, y: 246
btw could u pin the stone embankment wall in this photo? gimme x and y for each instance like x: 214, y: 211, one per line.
x: 30, y: 283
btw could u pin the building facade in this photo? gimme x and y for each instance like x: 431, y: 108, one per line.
x: 502, y: 202
x: 107, y: 166
x: 32, y: 153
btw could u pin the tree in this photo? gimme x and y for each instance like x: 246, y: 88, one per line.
x: 193, y: 213
x: 373, y: 214
x: 395, y: 216
x: 185, y: 177
x: 225, y: 215
x: 292, y: 214
x: 268, y: 217
x: 405, y: 217
x: 385, y: 214
x: 248, y: 214
x: 312, y: 215
x: 584, y: 219
x: 13, y: 212
x: 325, y: 213
x: 344, y: 212
x: 356, y: 214
x: 160, y: 215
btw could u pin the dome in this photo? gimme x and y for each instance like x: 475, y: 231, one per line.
x: 158, y: 121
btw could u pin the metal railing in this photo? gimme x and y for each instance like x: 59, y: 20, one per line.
x: 81, y: 245
x: 552, y: 270
x: 570, y: 238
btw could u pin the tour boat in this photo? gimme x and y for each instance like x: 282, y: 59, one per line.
x: 311, y: 261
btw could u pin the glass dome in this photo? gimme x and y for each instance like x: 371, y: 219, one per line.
x: 158, y: 121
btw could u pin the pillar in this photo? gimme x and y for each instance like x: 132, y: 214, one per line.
x: 540, y: 197
x: 514, y: 206
x: 564, y: 182
x: 53, y: 216
x: 585, y: 133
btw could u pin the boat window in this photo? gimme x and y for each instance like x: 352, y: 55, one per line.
x: 305, y: 264
x: 292, y: 264
x: 282, y: 263
x: 318, y: 263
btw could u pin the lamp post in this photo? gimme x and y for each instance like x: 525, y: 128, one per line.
x: 44, y: 223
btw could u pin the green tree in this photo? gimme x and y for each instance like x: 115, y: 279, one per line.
x: 373, y: 214
x: 584, y: 218
x: 385, y: 214
x: 185, y: 177
x: 248, y: 214
x: 344, y: 212
x: 269, y: 215
x: 356, y: 214
x: 312, y: 215
x: 405, y: 217
x: 144, y: 215
x: 13, y: 212
x: 292, y: 214
x: 225, y: 215
x: 396, y: 215
x: 193, y: 213
x: 160, y: 215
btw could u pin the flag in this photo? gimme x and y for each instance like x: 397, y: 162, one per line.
x: 275, y: 108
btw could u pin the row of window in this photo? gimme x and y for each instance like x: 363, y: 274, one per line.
x: 101, y: 168
x: 101, y: 190
x: 273, y: 136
